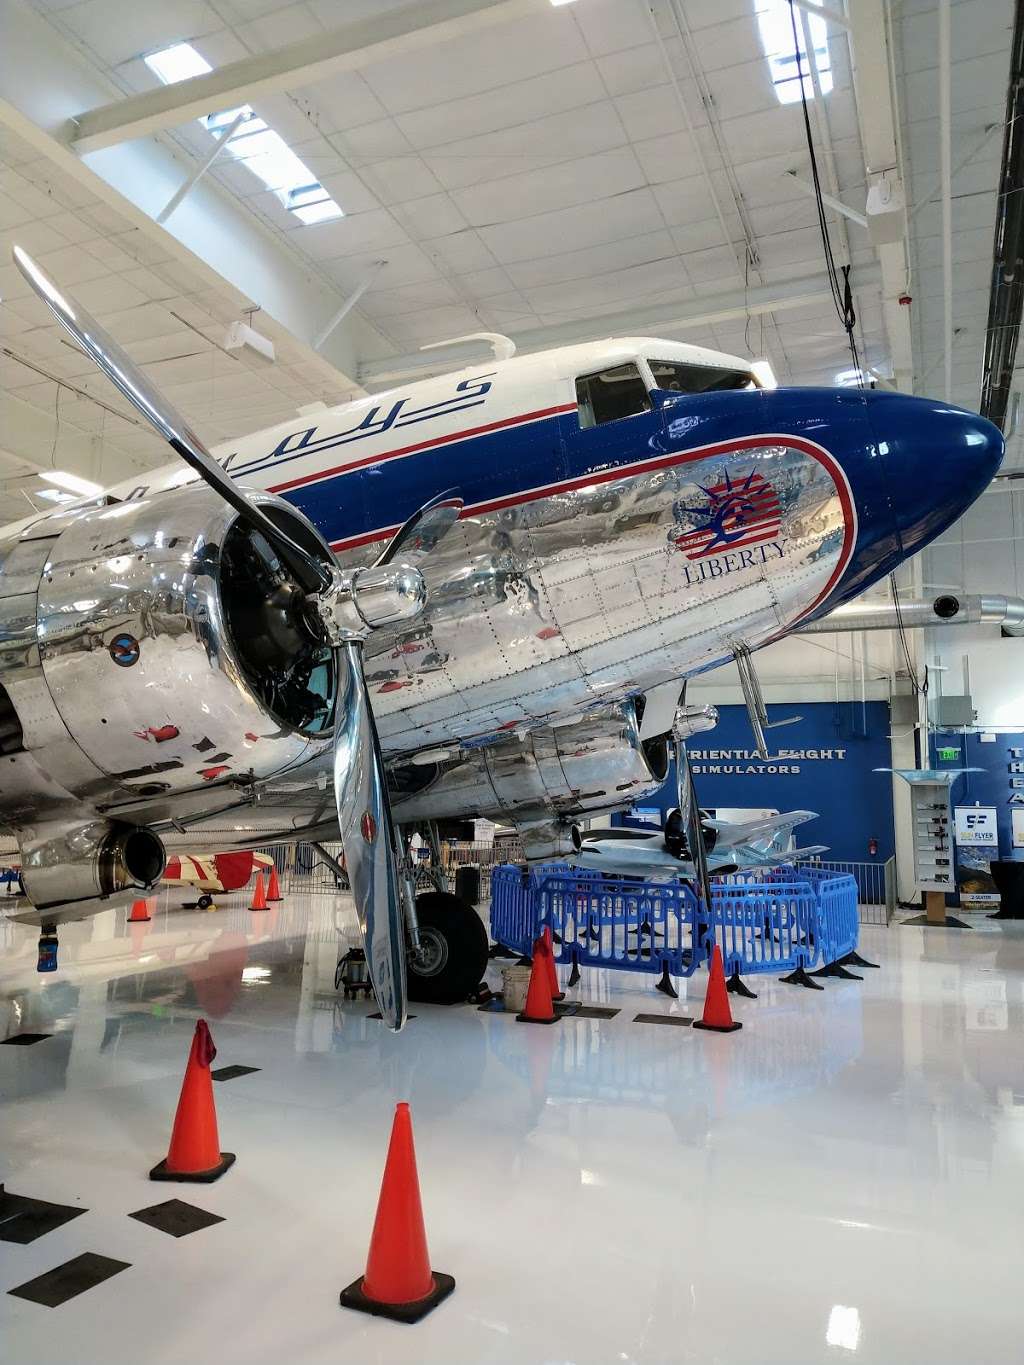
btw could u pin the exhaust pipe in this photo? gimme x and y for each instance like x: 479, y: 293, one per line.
x: 69, y: 867
x: 946, y: 610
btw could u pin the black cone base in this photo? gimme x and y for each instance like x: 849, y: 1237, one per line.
x: 353, y: 1297
x: 718, y: 1028
x: 525, y: 1019
x: 800, y: 978
x: 855, y: 960
x: 737, y: 986
x: 194, y: 1177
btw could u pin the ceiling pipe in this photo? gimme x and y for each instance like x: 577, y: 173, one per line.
x: 1006, y: 295
x: 945, y: 146
x: 946, y: 610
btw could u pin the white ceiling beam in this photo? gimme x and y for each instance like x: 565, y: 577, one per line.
x: 379, y: 38
x: 44, y: 81
x: 877, y: 119
x: 656, y: 320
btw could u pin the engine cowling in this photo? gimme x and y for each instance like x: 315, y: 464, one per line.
x: 150, y: 649
x: 550, y: 776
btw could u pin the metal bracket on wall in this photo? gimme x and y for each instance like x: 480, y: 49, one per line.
x: 753, y: 698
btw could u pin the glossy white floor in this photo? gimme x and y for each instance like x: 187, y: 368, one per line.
x: 842, y: 1178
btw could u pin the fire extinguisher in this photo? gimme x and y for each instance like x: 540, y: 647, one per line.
x: 873, y: 847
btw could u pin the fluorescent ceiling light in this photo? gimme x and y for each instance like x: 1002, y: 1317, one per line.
x: 775, y: 20
x: 843, y: 1327
x: 71, y: 482
x: 764, y: 374
x: 849, y: 379
x: 255, y: 145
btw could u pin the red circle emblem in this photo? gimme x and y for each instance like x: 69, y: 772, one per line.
x: 368, y: 827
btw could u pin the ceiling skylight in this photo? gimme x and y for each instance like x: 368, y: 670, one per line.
x: 258, y: 147
x: 776, y: 24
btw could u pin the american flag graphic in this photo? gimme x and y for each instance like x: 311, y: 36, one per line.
x: 740, y: 511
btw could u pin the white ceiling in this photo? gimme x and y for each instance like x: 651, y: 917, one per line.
x: 535, y: 174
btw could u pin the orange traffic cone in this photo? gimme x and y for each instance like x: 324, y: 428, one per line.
x: 549, y: 942
x: 717, y: 1014
x: 259, y: 899
x: 539, y: 1009
x: 398, y: 1282
x: 140, y: 913
x: 274, y: 889
x: 194, y: 1153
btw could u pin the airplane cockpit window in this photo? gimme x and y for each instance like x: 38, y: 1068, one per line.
x: 679, y: 377
x: 610, y: 395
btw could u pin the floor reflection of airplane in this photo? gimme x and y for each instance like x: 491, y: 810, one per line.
x: 664, y: 853
x: 585, y: 527
x: 214, y: 873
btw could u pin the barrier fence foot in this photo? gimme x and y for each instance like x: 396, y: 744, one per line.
x: 854, y: 959
x: 499, y: 950
x: 837, y: 969
x: 574, y: 975
x: 800, y: 978
x: 737, y: 986
x: 665, y: 984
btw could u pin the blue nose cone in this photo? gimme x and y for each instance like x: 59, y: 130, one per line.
x: 935, y: 460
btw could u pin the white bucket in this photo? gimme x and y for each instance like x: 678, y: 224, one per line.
x: 515, y: 982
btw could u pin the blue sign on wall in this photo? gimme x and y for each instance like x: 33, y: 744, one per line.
x: 819, y: 763
x: 1001, y: 784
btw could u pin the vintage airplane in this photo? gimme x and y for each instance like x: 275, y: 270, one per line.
x: 214, y: 873
x: 625, y: 514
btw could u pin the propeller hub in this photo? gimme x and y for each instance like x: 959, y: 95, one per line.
x: 358, y: 601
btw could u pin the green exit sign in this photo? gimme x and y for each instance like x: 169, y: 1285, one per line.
x: 949, y: 755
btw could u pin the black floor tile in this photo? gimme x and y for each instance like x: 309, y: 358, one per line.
x: 951, y: 922
x: 23, y: 1219
x: 67, y: 1281
x: 176, y: 1217
x: 680, y: 1020
x: 595, y: 1012
x: 228, y: 1073
x: 25, y: 1039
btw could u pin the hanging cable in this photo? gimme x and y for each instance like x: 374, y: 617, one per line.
x: 838, y: 276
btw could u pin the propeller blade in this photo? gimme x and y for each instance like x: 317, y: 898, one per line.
x: 125, y: 375
x: 421, y: 533
x: 364, y: 818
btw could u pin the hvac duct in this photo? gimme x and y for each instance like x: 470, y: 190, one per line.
x: 947, y: 610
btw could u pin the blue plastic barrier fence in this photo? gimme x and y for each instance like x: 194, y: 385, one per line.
x: 775, y: 921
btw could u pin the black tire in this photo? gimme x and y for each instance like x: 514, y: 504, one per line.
x: 455, y: 941
x: 204, y: 902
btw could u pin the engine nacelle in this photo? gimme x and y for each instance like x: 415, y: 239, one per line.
x: 149, y: 649
x: 556, y: 774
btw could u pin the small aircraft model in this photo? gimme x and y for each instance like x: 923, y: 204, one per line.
x: 665, y: 854
x: 466, y: 597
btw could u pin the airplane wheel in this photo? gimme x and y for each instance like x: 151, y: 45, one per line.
x: 454, y: 950
x: 204, y: 902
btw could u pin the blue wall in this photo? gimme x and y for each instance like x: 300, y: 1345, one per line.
x: 854, y: 803
x: 993, y: 787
